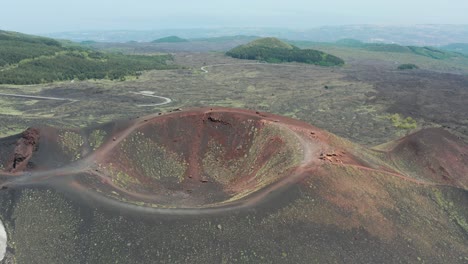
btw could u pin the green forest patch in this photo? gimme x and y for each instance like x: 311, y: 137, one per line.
x: 273, y: 50
x: 28, y: 59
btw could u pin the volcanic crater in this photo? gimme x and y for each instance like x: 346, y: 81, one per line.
x: 204, y: 157
x: 201, y: 158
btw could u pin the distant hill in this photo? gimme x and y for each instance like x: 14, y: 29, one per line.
x: 170, y: 39
x: 430, y: 52
x: 417, y: 35
x: 88, y: 42
x: 26, y: 59
x: 349, y: 42
x: 273, y: 43
x: 456, y: 47
x: 274, y: 50
x: 236, y: 38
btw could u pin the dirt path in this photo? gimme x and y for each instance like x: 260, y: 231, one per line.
x: 38, y: 97
x: 142, y: 93
x: 151, y: 94
x: 400, y: 176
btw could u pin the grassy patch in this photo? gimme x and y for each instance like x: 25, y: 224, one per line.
x: 96, y: 138
x: 402, y: 123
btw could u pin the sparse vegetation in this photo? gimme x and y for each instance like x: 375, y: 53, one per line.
x: 451, y: 210
x: 403, y: 123
x: 119, y: 177
x: 153, y: 160
x: 96, y: 138
x: 71, y: 143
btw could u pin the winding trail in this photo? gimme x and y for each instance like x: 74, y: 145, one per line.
x: 151, y: 94
x: 38, y: 97
x: 142, y: 93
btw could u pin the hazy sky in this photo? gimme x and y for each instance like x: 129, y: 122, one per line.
x: 45, y: 16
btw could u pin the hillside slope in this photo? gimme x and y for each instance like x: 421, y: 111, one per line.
x: 457, y: 47
x: 274, y: 50
x: 425, y: 51
x: 170, y: 39
x: 26, y: 59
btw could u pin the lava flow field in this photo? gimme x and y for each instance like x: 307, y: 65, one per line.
x: 250, y: 186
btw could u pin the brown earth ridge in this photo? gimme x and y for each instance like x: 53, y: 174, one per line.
x: 212, y: 157
x: 218, y: 158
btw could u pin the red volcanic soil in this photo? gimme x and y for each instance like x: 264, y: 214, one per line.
x: 211, y: 157
x: 206, y: 156
x: 433, y: 154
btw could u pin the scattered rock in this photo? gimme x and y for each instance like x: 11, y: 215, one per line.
x: 25, y: 146
x: 216, y: 119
